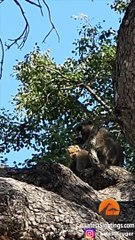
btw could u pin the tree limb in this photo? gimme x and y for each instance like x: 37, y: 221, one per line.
x: 22, y: 38
x: 98, y: 98
x: 87, y: 87
x: 40, y: 7
x: 48, y: 201
x: 37, y: 5
x: 24, y: 35
x: 52, y: 24
x: 2, y: 57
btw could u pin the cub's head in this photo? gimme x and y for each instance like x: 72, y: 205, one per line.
x: 73, y: 150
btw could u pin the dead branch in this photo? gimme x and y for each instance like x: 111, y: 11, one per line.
x: 2, y: 57
x: 52, y: 24
x: 24, y: 35
x: 40, y: 8
x: 22, y: 38
x: 33, y: 3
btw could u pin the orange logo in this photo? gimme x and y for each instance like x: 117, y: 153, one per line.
x: 109, y: 209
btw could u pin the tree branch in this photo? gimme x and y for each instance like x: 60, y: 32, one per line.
x: 33, y: 3
x: 40, y: 8
x: 2, y: 57
x: 24, y: 35
x: 89, y: 89
x: 52, y: 24
x: 37, y: 5
x: 22, y: 38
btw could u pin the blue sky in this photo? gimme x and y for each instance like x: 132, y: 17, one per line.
x: 62, y: 12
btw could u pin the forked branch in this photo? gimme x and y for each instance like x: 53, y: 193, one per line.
x: 24, y: 35
x: 51, y: 22
x: 22, y: 38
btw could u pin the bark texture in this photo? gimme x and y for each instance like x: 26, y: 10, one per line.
x: 61, y: 204
x: 124, y: 80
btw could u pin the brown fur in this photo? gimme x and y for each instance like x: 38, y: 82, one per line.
x: 102, y: 148
x: 79, y: 157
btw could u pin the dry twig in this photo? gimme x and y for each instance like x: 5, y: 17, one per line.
x: 22, y: 38
x: 2, y: 57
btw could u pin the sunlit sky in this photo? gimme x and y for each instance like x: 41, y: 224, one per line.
x: 12, y: 24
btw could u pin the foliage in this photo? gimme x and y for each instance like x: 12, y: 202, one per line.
x: 120, y: 5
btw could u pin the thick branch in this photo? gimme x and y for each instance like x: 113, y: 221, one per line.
x: 61, y: 204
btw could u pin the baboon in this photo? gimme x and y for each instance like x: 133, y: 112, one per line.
x: 79, y: 158
x: 102, y: 148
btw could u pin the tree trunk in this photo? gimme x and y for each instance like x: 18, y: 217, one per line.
x: 61, y: 204
x: 124, y: 79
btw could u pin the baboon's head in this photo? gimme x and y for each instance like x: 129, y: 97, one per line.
x: 83, y: 131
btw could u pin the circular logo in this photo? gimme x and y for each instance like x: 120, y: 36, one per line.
x: 109, y: 209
